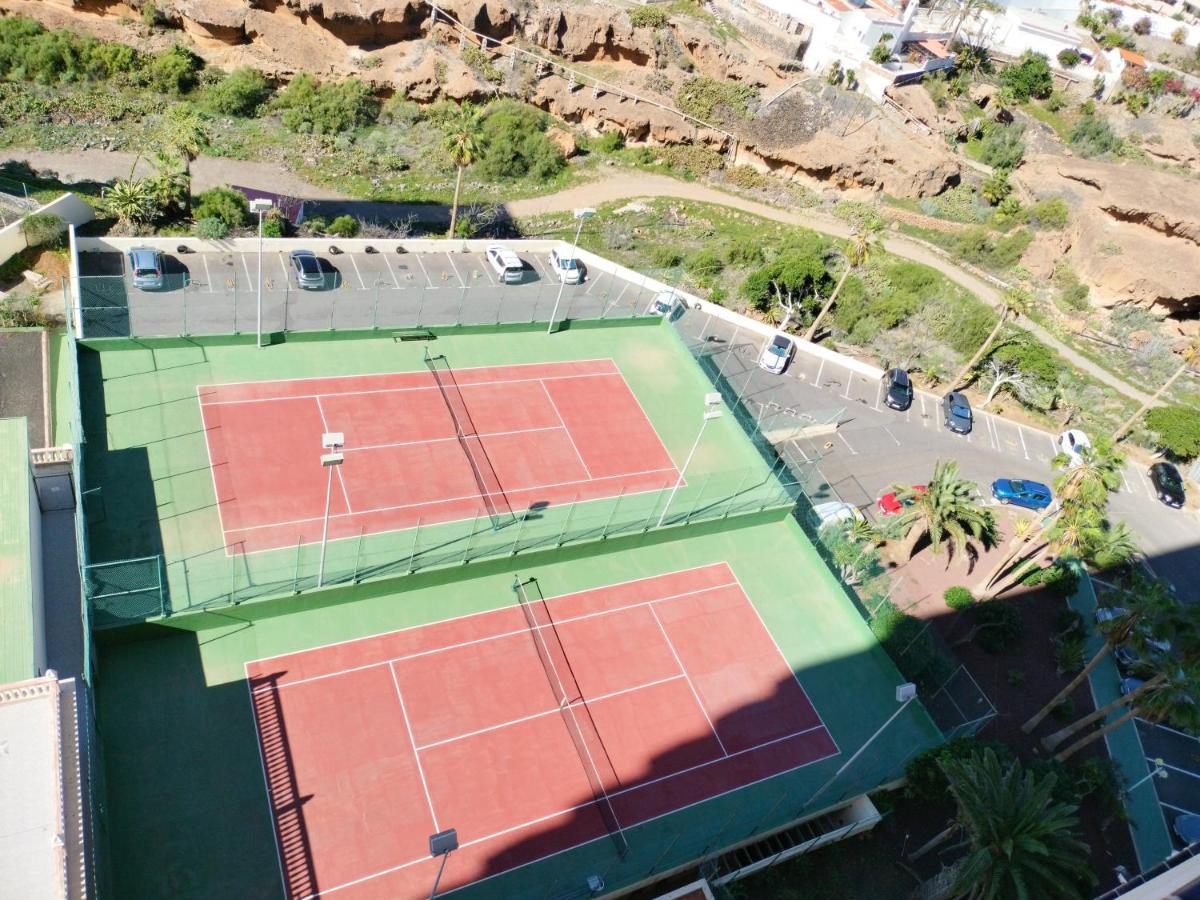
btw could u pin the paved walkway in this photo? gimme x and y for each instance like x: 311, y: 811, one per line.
x: 102, y: 165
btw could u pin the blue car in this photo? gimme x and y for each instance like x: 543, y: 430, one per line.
x: 1029, y: 494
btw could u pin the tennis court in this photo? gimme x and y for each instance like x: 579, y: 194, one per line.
x: 428, y: 447
x: 531, y: 728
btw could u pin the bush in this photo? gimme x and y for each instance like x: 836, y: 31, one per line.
x: 343, y: 227
x: 704, y: 263
x: 665, y: 256
x: 1051, y: 214
x: 314, y: 225
x: 1016, y: 677
x: 275, y: 225
x: 1003, y: 146
x: 1060, y: 580
x: 1069, y: 652
x: 174, y: 71
x: 43, y: 229
x: 996, y: 187
x: 240, y: 93
x: 958, y: 597
x: 481, y: 63
x: 648, y: 17
x: 210, y: 228
x: 997, y: 626
x: 515, y: 144
x: 979, y: 246
x: 1093, y: 136
x: 744, y: 253
x: 1179, y: 35
x: 926, y: 783
x: 1028, y: 77
x: 608, y: 142
x: 908, y: 642
x: 705, y: 97
x: 225, y: 204
x: 1176, y: 429
x: 1142, y: 26
x: 800, y: 271
x: 312, y: 107
x: 1069, y: 58
x: 880, y: 53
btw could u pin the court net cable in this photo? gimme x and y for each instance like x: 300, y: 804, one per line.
x: 498, y: 509
x: 571, y: 704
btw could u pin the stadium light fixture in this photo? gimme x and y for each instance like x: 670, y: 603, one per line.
x: 333, y: 442
x: 710, y: 412
x: 581, y: 215
x: 442, y: 844
x: 260, y: 206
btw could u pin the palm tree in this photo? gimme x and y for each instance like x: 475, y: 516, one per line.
x: 184, y: 135
x: 1190, y: 355
x: 1143, y: 601
x: 863, y: 245
x: 1020, y: 841
x: 462, y: 144
x: 948, y: 509
x: 130, y: 200
x: 1013, y: 301
x: 172, y: 187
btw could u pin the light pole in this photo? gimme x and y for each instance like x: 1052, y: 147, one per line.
x: 905, y: 692
x: 1157, y: 771
x: 582, y: 215
x: 259, y: 206
x: 333, y: 442
x: 710, y: 400
x: 442, y: 844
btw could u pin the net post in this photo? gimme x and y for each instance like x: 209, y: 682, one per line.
x: 412, y: 556
x: 652, y: 517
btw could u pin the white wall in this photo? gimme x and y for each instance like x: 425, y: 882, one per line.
x: 71, y: 209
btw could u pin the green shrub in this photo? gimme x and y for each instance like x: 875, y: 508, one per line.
x: 1069, y: 652
x: 859, y: 214
x: 800, y: 271
x: 1093, y: 136
x: 399, y: 110
x: 311, y: 107
x: 1003, y: 146
x: 174, y: 71
x: 1052, y: 214
x: 925, y: 781
x: 481, y: 63
x: 958, y: 597
x: 1176, y: 429
x: 223, y: 203
x: 705, y: 97
x: 43, y: 229
x: 996, y: 187
x: 1061, y: 580
x: 648, y: 17
x: 665, y: 256
x: 343, y: 227
x: 515, y: 144
x: 744, y: 253
x: 1068, y: 58
x: 240, y: 93
x: 704, y: 262
x: 275, y: 225
x: 997, y: 626
x: 880, y: 53
x: 1029, y: 77
x: 1016, y: 677
x: 978, y: 246
x: 210, y: 228
x: 314, y: 225
x: 608, y: 142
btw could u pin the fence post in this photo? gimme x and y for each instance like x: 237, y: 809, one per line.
x: 462, y: 299
x: 653, y: 509
x: 236, y: 330
x: 470, y: 539
x: 358, y: 553
x: 567, y: 521
x: 699, y: 495
x: 612, y: 515
x: 296, y: 571
x: 729, y: 351
x: 183, y: 330
x: 517, y: 539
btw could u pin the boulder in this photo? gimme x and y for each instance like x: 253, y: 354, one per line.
x: 564, y: 141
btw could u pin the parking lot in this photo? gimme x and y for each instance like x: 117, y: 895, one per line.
x: 214, y: 292
x: 1179, y: 791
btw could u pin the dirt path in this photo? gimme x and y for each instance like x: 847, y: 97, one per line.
x: 102, y: 165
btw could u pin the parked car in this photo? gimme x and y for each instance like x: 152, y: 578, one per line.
x: 663, y: 303
x: 897, y: 389
x: 889, y: 504
x: 1073, y: 442
x: 1108, y: 613
x: 956, y: 413
x: 1018, y: 492
x: 146, y: 266
x: 836, y: 511
x: 506, y: 264
x: 1129, y: 685
x: 1168, y: 483
x: 566, y: 267
x: 777, y: 354
x: 1187, y: 828
x: 307, y: 268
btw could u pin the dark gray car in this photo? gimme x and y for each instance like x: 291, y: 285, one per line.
x: 956, y: 413
x: 898, y: 389
x: 308, y: 269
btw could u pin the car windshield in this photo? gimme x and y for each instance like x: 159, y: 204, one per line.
x: 141, y: 271
x: 961, y: 410
x: 780, y: 345
x: 307, y: 263
x: 1170, y: 476
x: 566, y: 262
x: 900, y: 380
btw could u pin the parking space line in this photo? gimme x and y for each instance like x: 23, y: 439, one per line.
x: 392, y: 272
x: 820, y: 370
x: 283, y: 268
x: 487, y: 271
x: 461, y: 283
x: 421, y: 263
x: 588, y: 290
x: 799, y: 450
x: 357, y: 271
x: 849, y: 381
x: 246, y: 266
x: 1176, y: 808
x: 892, y: 436
x: 1125, y: 481
x: 1021, y: 432
x: 991, y: 420
x: 207, y: 273
x: 1146, y: 484
x: 1167, y: 765
x: 1053, y: 446
x: 847, y: 443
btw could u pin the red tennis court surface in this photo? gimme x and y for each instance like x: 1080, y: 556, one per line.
x: 550, y: 433
x: 371, y: 746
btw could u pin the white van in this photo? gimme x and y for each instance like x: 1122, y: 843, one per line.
x: 506, y: 264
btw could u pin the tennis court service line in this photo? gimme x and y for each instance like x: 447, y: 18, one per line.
x: 341, y: 478
x: 570, y: 437
x: 413, y: 742
x: 439, y: 500
x: 683, y: 670
x: 444, y: 440
x: 524, y: 629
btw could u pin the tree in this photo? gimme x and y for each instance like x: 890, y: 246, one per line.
x: 1003, y: 374
x: 996, y: 187
x: 796, y: 274
x: 1145, y: 600
x: 1028, y: 77
x: 130, y: 200
x: 1020, y: 841
x: 947, y: 510
x: 171, y: 185
x: 223, y: 203
x: 863, y: 245
x: 1176, y: 429
x: 462, y: 146
x: 1190, y: 355
x: 184, y: 135
x: 1014, y: 302
x: 240, y: 93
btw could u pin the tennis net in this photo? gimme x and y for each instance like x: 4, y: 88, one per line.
x: 573, y: 707
x: 490, y: 489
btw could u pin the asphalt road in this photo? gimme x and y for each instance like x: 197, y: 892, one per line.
x: 875, y: 447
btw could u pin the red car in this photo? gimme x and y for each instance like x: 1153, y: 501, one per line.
x: 889, y: 503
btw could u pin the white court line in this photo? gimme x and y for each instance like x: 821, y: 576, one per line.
x: 1024, y: 449
x: 400, y: 390
x: 549, y: 712
x: 445, y: 648
x: 212, y: 470
x: 443, y: 440
x: 421, y: 263
x: 341, y: 478
x: 455, y: 268
x: 441, y: 500
x: 413, y: 743
x: 1190, y: 737
x: 684, y: 671
x: 357, y: 272
x: 207, y: 273
x: 570, y: 437
x: 847, y: 443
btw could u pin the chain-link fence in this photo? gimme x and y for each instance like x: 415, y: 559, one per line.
x: 960, y: 707
x: 124, y: 591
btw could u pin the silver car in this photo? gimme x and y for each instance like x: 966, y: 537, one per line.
x: 308, y: 269
x: 567, y: 268
x: 146, y: 266
x: 777, y: 354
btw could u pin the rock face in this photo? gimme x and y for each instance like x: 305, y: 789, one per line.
x: 1134, y: 234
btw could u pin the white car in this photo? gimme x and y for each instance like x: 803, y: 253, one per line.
x: 663, y: 303
x: 777, y: 354
x: 506, y: 264
x: 1072, y: 442
x: 566, y: 267
x: 836, y: 511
